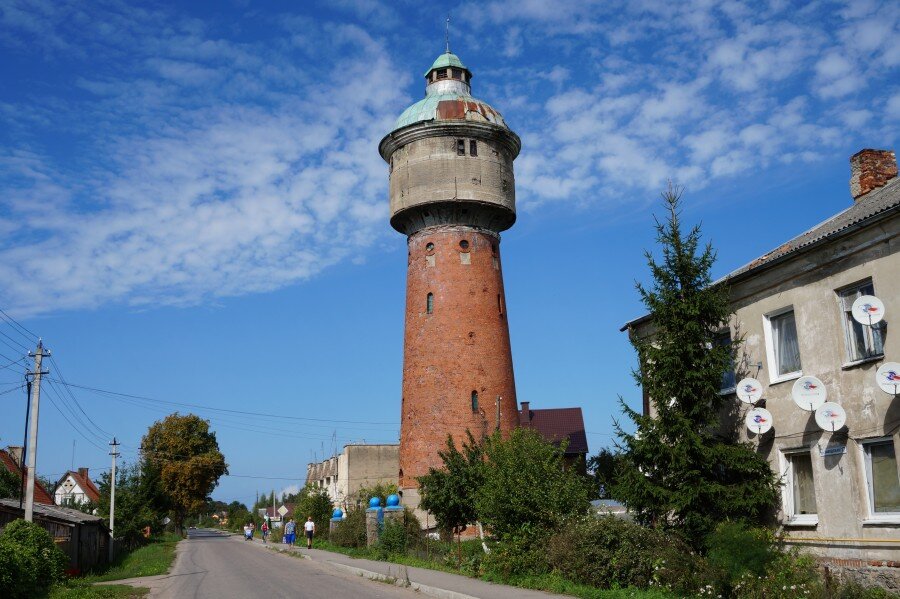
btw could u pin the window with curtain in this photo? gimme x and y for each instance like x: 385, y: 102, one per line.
x: 882, y: 478
x: 786, y: 348
x: 802, y: 492
x: 862, y: 341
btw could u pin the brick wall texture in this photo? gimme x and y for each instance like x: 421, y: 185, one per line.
x: 460, y: 347
x: 871, y: 169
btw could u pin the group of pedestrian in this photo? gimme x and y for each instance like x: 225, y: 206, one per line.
x: 290, y: 530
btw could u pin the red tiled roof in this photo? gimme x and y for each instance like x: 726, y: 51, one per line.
x: 556, y: 424
x: 40, y: 493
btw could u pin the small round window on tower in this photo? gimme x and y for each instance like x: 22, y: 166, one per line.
x: 464, y: 244
x: 429, y: 247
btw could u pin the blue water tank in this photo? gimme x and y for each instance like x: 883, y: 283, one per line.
x: 393, y: 500
x: 337, y: 514
x: 375, y: 502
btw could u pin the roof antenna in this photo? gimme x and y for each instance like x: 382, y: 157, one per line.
x: 448, y: 33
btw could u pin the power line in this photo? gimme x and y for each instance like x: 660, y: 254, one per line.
x: 13, y: 389
x: 106, y: 434
x: 28, y: 335
x: 240, y: 412
x: 77, y: 430
x: 74, y: 415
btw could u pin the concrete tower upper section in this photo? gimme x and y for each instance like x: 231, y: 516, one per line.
x: 451, y: 157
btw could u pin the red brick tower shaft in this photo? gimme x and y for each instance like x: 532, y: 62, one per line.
x: 457, y: 366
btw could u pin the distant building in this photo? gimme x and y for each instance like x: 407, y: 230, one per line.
x: 355, y: 468
x: 10, y: 459
x: 556, y: 425
x: 792, y: 311
x: 76, y: 488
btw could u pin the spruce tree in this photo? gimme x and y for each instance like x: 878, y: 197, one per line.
x: 683, y: 469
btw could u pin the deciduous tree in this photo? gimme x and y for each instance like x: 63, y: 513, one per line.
x: 185, y: 454
x: 449, y: 493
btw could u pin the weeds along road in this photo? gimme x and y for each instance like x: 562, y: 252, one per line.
x: 216, y: 565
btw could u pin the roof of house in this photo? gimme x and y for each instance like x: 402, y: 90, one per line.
x: 40, y: 493
x: 84, y: 481
x: 556, y: 424
x: 872, y: 206
x: 56, y: 512
x: 868, y: 209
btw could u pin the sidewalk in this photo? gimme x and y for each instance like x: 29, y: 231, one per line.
x: 428, y: 582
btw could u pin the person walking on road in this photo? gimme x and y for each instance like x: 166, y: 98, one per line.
x: 265, y: 531
x: 310, y: 528
x: 248, y: 532
x: 289, y: 532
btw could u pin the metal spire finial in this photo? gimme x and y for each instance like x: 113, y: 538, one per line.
x: 448, y: 33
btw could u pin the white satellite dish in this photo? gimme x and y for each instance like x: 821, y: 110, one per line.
x: 868, y: 310
x: 831, y: 416
x: 749, y: 390
x: 809, y: 393
x: 759, y: 420
x: 888, y: 377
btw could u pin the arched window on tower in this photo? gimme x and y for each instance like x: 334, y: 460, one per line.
x: 474, y: 401
x: 429, y: 303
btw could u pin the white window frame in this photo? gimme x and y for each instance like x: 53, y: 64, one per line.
x: 849, y: 359
x: 790, y: 518
x: 873, y: 517
x: 774, y: 375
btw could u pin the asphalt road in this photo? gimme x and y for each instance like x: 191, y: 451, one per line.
x: 216, y: 565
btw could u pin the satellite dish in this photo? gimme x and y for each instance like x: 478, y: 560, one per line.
x: 867, y: 309
x: 831, y: 416
x: 759, y: 420
x: 809, y: 393
x: 749, y: 390
x: 888, y: 377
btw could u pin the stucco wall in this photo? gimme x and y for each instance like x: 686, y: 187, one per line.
x: 810, y: 283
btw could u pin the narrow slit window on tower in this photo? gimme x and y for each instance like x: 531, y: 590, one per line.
x: 474, y: 401
x: 499, y: 305
x: 429, y: 303
x: 473, y: 148
x: 460, y: 147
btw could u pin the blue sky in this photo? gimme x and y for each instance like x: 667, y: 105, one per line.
x: 193, y: 209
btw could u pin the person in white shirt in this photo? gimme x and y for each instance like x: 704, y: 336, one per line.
x: 310, y: 528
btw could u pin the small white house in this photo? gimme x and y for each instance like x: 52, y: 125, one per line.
x: 76, y: 488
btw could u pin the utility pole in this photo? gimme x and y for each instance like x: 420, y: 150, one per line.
x: 39, y: 355
x: 112, y: 496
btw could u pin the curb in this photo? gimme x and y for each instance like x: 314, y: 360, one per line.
x: 401, y: 580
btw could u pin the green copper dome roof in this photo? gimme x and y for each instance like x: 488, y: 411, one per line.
x: 447, y: 59
x: 449, y: 100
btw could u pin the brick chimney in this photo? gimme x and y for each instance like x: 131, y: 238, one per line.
x: 83, y: 472
x: 871, y: 169
x: 16, y: 452
x: 525, y: 414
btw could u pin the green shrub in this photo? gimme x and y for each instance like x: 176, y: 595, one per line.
x: 520, y: 553
x: 29, y: 560
x: 612, y: 553
x: 735, y: 549
x: 392, y: 538
x: 352, y: 531
x: 790, y: 574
